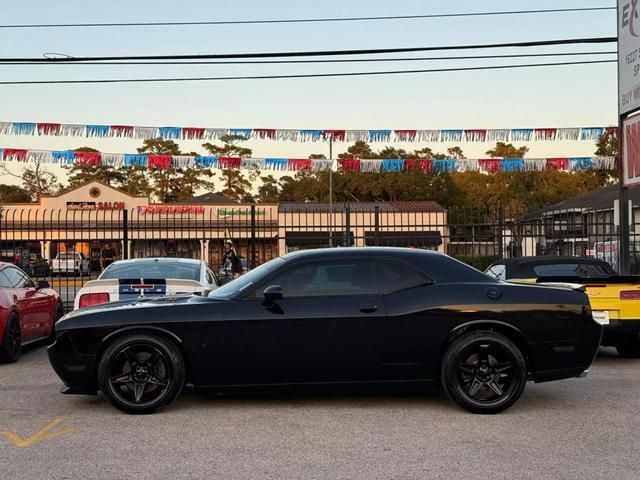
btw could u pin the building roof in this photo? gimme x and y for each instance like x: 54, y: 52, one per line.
x: 209, y: 198
x: 597, y: 200
x: 400, y: 206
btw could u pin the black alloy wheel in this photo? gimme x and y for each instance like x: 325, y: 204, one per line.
x: 141, y: 373
x: 484, y: 372
x: 12, y: 341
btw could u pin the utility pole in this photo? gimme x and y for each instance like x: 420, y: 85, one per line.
x: 331, y: 191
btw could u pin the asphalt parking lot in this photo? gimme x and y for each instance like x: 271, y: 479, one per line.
x: 579, y: 428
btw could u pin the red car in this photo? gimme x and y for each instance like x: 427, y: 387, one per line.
x: 27, y: 313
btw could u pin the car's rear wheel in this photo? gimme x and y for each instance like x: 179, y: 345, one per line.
x: 141, y: 373
x: 12, y: 340
x: 484, y: 372
x: 629, y: 349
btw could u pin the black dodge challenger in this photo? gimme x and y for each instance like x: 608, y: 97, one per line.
x: 362, y: 317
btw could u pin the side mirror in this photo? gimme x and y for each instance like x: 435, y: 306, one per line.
x: 273, y: 293
x: 43, y: 284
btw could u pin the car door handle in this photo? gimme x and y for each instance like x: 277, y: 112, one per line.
x: 368, y: 308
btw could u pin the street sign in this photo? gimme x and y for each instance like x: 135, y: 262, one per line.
x: 628, y: 55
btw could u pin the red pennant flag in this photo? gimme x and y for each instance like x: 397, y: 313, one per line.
x: 490, y: 164
x: 269, y: 133
x: 229, y: 162
x: 159, y: 161
x: 351, y: 165
x: 335, y: 135
x: 191, y: 133
x: 406, y: 135
x: 17, y: 154
x: 545, y: 133
x: 299, y: 164
x: 611, y: 131
x: 557, y: 163
x: 476, y: 135
x: 48, y: 128
x: 89, y: 158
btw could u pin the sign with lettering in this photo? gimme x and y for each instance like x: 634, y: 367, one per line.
x: 110, y: 205
x: 170, y: 209
x: 81, y: 205
x: 629, y: 55
x: 631, y: 151
x: 237, y: 212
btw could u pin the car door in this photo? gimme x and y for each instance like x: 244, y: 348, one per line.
x: 27, y: 310
x: 40, y: 304
x: 328, y: 327
x: 414, y: 321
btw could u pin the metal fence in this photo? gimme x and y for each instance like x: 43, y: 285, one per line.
x: 33, y: 238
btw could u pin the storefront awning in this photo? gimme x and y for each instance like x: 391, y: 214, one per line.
x: 427, y: 239
x: 318, y: 239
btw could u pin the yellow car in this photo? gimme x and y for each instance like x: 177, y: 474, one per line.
x: 615, y: 299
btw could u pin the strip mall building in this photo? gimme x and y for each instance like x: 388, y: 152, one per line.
x: 90, y: 217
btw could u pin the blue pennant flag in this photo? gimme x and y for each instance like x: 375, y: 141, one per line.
x: 521, y: 134
x: 207, y: 162
x: 392, y: 165
x: 63, y: 157
x: 310, y: 135
x: 448, y: 165
x: 22, y: 128
x: 580, y: 163
x: 512, y: 164
x: 242, y: 132
x: 170, y: 132
x: 379, y: 135
x: 101, y: 131
x: 135, y: 160
x: 591, y: 133
x: 276, y: 163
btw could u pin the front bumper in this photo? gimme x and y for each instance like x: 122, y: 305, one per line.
x: 76, y: 371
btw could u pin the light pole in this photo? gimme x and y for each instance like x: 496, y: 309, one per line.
x: 331, y: 190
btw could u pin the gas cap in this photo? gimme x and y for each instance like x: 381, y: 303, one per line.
x: 493, y: 292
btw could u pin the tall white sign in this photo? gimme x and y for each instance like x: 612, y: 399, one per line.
x: 629, y: 55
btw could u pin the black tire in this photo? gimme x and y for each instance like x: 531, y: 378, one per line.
x: 629, y: 349
x: 56, y: 316
x: 141, y: 373
x: 483, y: 372
x: 11, y: 341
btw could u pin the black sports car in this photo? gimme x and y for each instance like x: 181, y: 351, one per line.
x: 333, y: 317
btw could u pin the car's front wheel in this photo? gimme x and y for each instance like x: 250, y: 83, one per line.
x: 12, y: 340
x: 141, y: 373
x: 483, y: 372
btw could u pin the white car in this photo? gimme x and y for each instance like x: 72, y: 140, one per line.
x: 70, y: 262
x: 143, y: 277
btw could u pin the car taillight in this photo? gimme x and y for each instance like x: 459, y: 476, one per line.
x: 89, y: 299
x: 630, y: 295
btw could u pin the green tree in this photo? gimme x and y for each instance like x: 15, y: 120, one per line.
x: 13, y: 194
x: 317, y: 156
x: 83, y: 173
x: 359, y: 149
x: 455, y: 152
x: 230, y: 147
x: 36, y: 178
x: 268, y: 191
x: 607, y: 146
x: 391, y: 152
x: 507, y: 150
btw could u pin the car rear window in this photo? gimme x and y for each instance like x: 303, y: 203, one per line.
x: 572, y: 270
x: 153, y: 269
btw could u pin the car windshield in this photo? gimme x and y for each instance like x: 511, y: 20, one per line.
x: 153, y: 269
x: 240, y: 284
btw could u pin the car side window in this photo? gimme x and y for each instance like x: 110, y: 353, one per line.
x: 4, y: 281
x: 353, y: 277
x: 209, y: 277
x: 396, y: 276
x: 497, y: 272
x: 17, y: 279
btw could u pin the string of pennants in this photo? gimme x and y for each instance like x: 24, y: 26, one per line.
x: 117, y: 160
x: 370, y: 136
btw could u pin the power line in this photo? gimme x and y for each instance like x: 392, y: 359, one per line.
x: 304, y: 75
x: 324, y: 53
x: 333, y: 60
x: 307, y: 20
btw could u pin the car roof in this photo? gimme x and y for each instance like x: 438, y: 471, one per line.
x: 158, y: 260
x: 357, y: 251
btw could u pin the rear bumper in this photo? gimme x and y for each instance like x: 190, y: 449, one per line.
x: 621, y: 331
x: 77, y: 372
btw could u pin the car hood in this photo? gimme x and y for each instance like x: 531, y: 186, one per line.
x: 145, y: 302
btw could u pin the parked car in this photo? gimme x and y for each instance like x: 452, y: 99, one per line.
x: 615, y: 299
x: 38, y: 266
x: 70, y: 262
x: 27, y: 312
x: 147, y: 277
x: 328, y: 318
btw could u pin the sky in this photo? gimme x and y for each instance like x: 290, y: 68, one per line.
x: 568, y: 96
